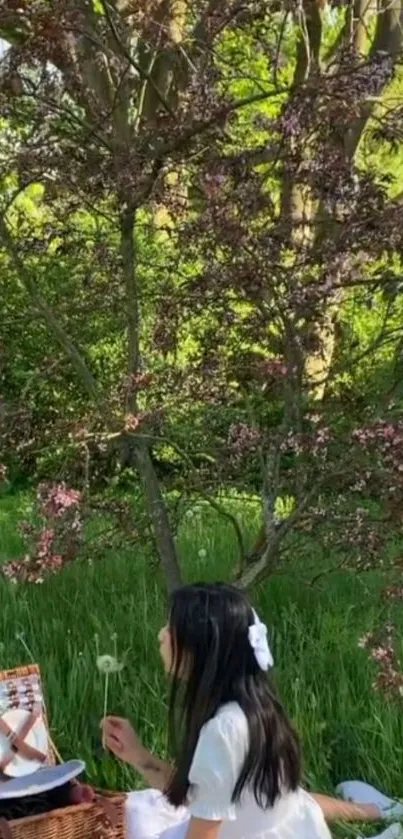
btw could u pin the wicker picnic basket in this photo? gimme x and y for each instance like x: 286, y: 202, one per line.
x: 103, y: 818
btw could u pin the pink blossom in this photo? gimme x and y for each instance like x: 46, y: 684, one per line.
x: 131, y: 422
x: 55, y: 499
x: 242, y: 439
x: 57, y: 539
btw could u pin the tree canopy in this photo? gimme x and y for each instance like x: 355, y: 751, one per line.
x: 201, y: 230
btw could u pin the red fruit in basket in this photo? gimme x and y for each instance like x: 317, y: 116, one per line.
x: 81, y: 794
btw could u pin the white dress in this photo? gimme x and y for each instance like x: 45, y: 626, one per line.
x: 217, y: 763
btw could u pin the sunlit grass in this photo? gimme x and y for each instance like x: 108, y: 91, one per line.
x: 324, y: 678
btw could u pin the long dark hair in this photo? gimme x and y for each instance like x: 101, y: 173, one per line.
x: 213, y: 663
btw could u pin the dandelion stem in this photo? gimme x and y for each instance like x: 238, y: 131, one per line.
x: 105, y: 706
x: 23, y: 642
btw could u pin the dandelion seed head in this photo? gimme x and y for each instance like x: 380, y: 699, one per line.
x: 108, y: 664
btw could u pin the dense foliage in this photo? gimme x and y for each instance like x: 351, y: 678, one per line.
x: 201, y: 234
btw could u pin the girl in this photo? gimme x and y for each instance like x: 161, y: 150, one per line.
x: 237, y: 772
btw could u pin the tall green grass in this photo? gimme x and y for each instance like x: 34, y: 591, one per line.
x: 323, y: 677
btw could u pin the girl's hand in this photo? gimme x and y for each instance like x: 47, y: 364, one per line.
x: 121, y: 739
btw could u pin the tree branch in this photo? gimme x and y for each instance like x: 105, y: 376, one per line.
x: 259, y: 569
x: 144, y: 75
x: 220, y: 115
x: 48, y: 315
x: 387, y: 43
x: 309, y: 41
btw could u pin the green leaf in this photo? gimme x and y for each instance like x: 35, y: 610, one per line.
x: 98, y: 7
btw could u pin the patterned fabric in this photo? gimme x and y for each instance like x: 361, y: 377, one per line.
x: 21, y: 692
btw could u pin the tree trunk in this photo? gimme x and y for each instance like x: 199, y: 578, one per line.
x: 157, y: 512
x: 155, y: 503
x: 318, y: 362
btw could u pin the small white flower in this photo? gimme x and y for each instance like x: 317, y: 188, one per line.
x: 202, y: 553
x: 108, y: 664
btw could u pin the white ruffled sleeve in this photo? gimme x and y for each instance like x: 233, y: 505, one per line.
x: 217, y: 763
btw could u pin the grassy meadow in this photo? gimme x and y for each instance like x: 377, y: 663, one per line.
x: 324, y: 678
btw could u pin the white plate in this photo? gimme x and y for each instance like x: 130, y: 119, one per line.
x: 37, y: 737
x: 47, y: 778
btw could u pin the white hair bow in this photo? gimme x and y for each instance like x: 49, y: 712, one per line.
x: 258, y: 640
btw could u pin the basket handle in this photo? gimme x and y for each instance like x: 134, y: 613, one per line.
x: 107, y: 811
x: 5, y: 831
x: 106, y: 820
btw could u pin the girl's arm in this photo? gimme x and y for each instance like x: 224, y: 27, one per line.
x: 202, y: 829
x: 335, y: 810
x: 156, y: 772
x: 120, y: 737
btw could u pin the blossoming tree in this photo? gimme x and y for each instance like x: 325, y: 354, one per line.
x: 238, y: 137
